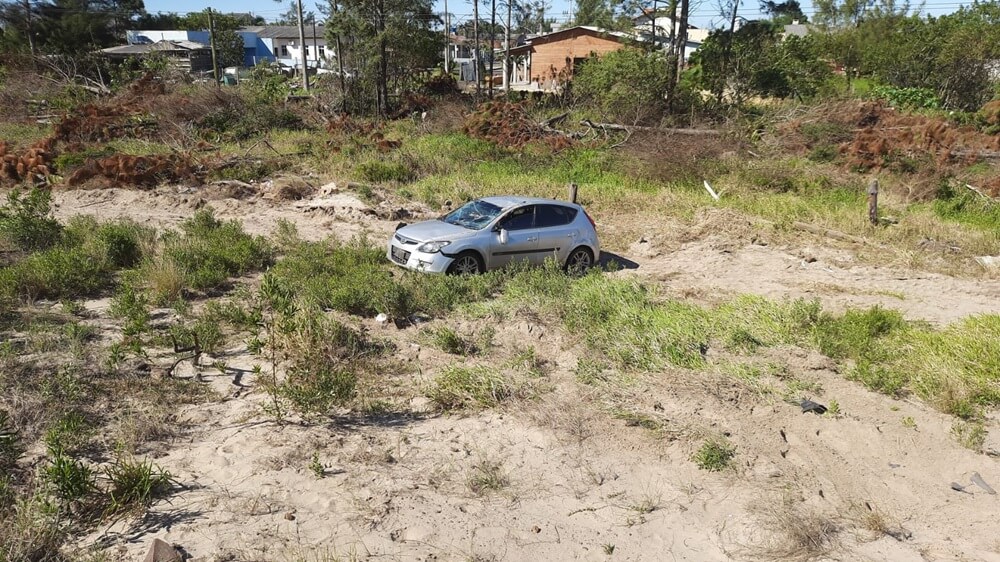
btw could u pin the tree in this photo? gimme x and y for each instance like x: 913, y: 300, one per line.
x: 596, y: 13
x: 291, y: 17
x: 627, y: 85
x: 385, y: 43
x: 760, y: 64
x: 785, y: 12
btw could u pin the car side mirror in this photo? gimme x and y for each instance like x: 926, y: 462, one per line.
x: 504, y: 236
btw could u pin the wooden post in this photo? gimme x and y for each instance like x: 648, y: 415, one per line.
x: 873, y: 202
x: 571, y: 193
x: 211, y: 40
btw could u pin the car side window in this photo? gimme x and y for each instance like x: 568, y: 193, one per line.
x: 553, y: 215
x: 519, y: 219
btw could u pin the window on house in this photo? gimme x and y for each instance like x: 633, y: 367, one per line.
x: 322, y: 52
x: 284, y: 51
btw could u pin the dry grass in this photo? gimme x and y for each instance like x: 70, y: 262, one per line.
x: 798, y: 533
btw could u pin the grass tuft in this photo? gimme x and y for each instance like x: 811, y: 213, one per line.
x: 715, y: 455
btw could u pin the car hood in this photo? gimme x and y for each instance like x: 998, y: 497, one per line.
x: 434, y: 230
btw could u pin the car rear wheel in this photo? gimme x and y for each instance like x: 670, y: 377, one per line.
x: 580, y: 260
x: 467, y: 263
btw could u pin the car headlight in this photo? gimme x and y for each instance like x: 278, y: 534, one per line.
x: 432, y: 247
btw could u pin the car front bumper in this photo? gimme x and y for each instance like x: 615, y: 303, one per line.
x: 410, y: 258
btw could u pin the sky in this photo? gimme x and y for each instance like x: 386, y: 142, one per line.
x: 704, y: 13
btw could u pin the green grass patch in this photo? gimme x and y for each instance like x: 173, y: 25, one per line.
x: 459, y: 387
x: 714, y: 455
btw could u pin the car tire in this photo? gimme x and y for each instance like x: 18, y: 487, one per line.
x: 467, y: 263
x: 580, y: 260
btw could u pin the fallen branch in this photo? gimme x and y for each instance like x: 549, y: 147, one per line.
x: 629, y: 128
x: 553, y: 120
x: 980, y: 193
x: 835, y: 234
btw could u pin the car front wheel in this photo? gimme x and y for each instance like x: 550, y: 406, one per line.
x: 467, y: 263
x: 580, y: 260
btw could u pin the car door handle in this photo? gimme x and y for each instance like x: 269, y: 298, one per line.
x: 532, y: 239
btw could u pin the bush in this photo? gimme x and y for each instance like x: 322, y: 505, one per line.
x: 626, y: 85
x: 209, y: 251
x: 25, y: 221
x: 57, y: 273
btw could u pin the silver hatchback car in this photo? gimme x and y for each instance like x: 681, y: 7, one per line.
x: 492, y: 232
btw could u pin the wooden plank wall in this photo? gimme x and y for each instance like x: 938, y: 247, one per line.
x: 550, y: 59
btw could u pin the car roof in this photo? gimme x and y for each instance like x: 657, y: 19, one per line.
x: 508, y: 201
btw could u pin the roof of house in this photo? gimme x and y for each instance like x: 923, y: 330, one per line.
x: 159, y: 46
x: 618, y: 36
x: 281, y: 31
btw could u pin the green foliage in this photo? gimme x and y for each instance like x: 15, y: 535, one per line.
x: 714, y: 455
x: 316, y: 389
x: 380, y: 171
x: 134, y: 484
x: 209, y: 251
x: 854, y: 335
x: 26, y: 222
x: 71, y: 479
x: 755, y: 60
x: 967, y: 209
x: 907, y: 98
x: 449, y: 341
x: 626, y: 85
x: 131, y: 305
x: 246, y: 119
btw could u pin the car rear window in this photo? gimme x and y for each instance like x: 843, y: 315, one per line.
x: 553, y: 215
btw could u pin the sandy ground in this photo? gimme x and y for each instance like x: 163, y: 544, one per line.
x: 581, y: 484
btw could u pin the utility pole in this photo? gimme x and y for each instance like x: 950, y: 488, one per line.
x: 211, y: 35
x: 315, y: 43
x: 475, y: 35
x: 340, y: 63
x: 302, y: 46
x: 506, y: 48
x: 447, y: 39
x: 493, y: 41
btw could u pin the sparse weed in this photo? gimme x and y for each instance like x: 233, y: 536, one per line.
x: 449, y: 341
x: 909, y: 422
x: 487, y: 476
x: 316, y: 467
x: 715, y: 455
x: 970, y: 434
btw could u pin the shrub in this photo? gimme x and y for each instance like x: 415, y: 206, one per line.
x: 209, y: 251
x: 56, y: 273
x: 25, y: 222
x: 626, y: 85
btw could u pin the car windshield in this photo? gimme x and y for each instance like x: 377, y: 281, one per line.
x: 474, y: 215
